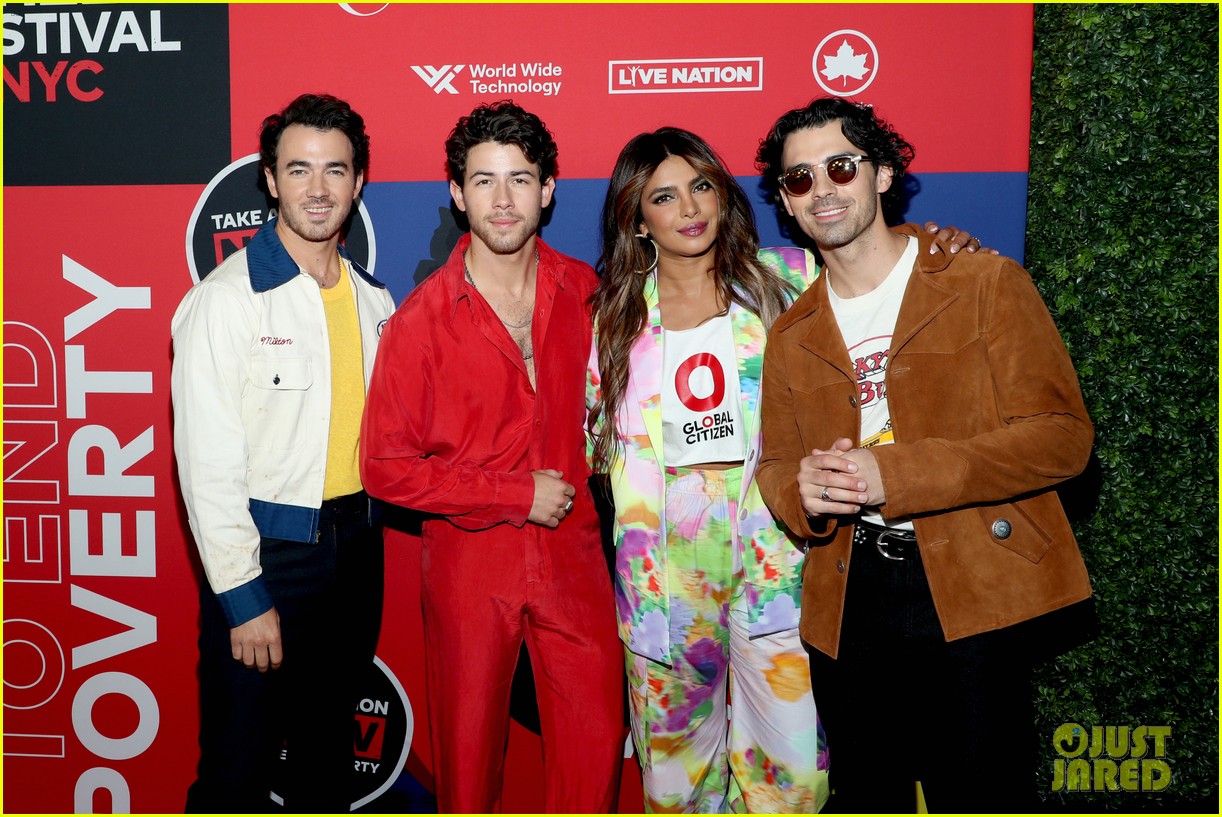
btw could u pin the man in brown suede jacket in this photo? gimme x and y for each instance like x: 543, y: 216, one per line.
x: 917, y: 412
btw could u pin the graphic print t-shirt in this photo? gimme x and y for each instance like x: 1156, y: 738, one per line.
x: 701, y: 411
x: 867, y: 323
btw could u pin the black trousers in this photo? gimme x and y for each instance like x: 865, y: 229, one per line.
x: 902, y: 704
x: 328, y: 595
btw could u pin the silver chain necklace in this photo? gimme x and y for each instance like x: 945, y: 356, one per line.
x: 467, y: 274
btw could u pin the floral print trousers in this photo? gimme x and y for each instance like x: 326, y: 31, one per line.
x: 730, y: 725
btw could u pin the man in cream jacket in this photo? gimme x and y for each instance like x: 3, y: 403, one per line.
x: 272, y: 354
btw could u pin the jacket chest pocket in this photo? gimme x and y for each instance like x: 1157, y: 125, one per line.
x: 276, y: 406
x: 281, y: 373
x: 824, y: 402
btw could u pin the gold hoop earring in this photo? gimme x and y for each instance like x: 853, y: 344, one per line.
x: 656, y: 254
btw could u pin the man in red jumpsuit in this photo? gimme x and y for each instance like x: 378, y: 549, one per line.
x: 475, y: 416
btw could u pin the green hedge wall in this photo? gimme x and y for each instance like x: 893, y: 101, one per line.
x: 1122, y: 238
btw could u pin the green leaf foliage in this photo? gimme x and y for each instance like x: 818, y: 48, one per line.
x: 1122, y: 239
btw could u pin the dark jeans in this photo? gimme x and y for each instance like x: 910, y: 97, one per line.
x: 901, y: 704
x: 328, y: 595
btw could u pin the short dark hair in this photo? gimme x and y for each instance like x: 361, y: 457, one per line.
x: 870, y: 134
x: 505, y: 123
x: 321, y: 112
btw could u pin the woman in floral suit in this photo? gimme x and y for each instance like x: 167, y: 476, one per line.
x: 707, y: 583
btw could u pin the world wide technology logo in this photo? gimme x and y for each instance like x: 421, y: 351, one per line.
x: 500, y: 79
x: 439, y: 79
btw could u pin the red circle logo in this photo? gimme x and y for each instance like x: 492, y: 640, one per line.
x: 683, y: 379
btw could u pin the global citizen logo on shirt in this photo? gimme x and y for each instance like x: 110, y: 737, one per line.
x: 702, y: 374
x: 700, y: 75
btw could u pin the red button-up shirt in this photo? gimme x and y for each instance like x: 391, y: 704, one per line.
x: 452, y: 426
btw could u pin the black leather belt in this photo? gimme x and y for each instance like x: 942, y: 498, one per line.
x: 891, y: 543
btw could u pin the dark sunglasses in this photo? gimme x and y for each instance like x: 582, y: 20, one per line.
x: 841, y: 170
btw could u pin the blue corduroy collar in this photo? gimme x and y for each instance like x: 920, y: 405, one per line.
x: 270, y: 265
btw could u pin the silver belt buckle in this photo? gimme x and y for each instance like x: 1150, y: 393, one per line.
x: 881, y: 544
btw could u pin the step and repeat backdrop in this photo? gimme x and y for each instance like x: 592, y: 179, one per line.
x: 130, y: 134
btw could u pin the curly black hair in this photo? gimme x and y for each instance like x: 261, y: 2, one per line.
x: 870, y: 134
x: 505, y: 123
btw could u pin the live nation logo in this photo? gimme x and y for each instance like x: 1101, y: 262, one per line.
x: 382, y: 729
x: 845, y: 62
x: 700, y: 75
x: 233, y: 207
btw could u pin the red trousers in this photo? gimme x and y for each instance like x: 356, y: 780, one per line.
x: 479, y: 603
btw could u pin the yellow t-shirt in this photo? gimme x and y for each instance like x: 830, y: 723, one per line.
x: 347, y: 389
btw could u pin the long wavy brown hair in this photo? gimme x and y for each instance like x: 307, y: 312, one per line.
x: 618, y: 304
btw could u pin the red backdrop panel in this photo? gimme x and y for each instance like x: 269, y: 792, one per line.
x: 940, y: 67
x: 99, y: 593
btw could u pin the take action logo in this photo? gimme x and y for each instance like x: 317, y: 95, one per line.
x: 845, y: 62
x: 685, y: 76
x: 382, y: 737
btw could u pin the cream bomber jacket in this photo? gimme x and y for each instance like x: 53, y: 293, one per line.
x: 251, y: 387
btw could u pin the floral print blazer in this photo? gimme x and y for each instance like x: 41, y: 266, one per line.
x: 772, y: 559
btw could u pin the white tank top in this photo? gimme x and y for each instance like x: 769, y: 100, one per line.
x: 702, y: 415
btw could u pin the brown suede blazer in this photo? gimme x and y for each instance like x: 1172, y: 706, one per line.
x: 987, y: 417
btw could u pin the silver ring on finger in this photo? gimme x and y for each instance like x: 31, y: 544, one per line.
x: 568, y: 506
x: 824, y: 495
